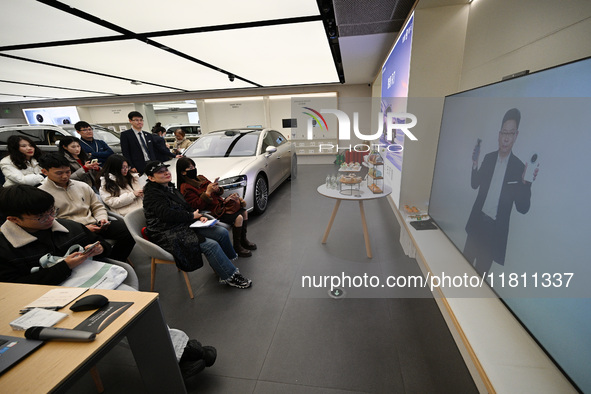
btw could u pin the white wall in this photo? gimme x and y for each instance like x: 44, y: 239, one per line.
x: 172, y: 118
x: 508, y: 36
x: 435, y: 68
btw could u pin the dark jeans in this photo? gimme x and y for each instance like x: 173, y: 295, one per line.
x: 117, y: 231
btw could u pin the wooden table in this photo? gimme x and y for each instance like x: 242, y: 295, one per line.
x: 364, y: 195
x: 57, y: 365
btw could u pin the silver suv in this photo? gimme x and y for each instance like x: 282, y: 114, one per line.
x: 45, y: 136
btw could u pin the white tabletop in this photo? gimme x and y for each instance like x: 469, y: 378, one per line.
x: 365, y: 194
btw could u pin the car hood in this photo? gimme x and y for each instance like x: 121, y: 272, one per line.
x: 222, y: 167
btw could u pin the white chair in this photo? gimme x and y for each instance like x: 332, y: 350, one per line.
x: 116, y: 216
x: 135, y: 221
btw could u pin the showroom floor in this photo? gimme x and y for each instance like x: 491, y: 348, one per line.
x: 280, y: 337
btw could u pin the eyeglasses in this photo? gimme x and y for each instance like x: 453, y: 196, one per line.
x: 44, y: 217
x: 125, y: 167
x: 508, y: 133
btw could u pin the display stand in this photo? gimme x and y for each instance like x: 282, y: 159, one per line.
x: 375, y: 181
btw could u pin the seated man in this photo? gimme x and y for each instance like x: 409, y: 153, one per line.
x: 31, y: 231
x: 78, y: 202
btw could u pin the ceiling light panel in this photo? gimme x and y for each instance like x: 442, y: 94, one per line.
x: 139, y: 17
x: 33, y: 73
x: 16, y: 92
x: 271, y: 56
x: 28, y: 21
x: 134, y: 60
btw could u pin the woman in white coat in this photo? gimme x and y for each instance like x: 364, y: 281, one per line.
x: 120, y: 189
x: 21, y: 165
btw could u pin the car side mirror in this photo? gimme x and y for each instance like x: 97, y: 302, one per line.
x: 271, y: 149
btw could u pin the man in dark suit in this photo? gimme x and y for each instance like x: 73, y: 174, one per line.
x: 136, y: 145
x: 500, y: 183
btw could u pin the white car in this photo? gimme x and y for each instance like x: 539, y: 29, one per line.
x: 250, y: 162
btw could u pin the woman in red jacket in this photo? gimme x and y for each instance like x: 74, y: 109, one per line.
x: 203, y: 194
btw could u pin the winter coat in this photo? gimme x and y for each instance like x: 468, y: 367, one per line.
x: 168, y: 217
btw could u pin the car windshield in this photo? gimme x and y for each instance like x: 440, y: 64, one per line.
x: 106, y: 136
x: 225, y: 144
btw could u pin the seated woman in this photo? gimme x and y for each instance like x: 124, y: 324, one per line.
x: 120, y: 189
x: 82, y: 168
x: 21, y: 165
x: 168, y: 217
x: 202, y: 194
x: 180, y: 143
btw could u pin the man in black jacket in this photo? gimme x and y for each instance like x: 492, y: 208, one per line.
x: 31, y: 231
x: 501, y: 185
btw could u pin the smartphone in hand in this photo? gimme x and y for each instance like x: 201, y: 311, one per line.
x: 90, y: 248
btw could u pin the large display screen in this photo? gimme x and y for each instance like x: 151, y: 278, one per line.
x: 511, y: 185
x: 53, y: 115
x: 395, y: 78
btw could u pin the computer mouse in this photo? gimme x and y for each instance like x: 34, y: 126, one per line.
x: 93, y: 301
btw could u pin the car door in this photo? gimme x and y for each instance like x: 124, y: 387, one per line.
x: 283, y: 148
x: 272, y: 161
x: 278, y: 163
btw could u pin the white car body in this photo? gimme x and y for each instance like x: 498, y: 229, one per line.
x: 260, y: 174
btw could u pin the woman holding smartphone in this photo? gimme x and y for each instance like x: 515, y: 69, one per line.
x: 83, y: 169
x: 203, y: 194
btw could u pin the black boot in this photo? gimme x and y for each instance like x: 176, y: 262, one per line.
x: 236, y: 233
x: 245, y: 242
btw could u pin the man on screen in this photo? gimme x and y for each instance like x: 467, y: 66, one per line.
x: 500, y: 183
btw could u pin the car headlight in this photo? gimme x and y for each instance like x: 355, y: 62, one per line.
x: 234, y: 182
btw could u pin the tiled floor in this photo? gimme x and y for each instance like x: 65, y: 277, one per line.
x: 279, y: 337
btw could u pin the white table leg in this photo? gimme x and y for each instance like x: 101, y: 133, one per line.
x: 365, y: 232
x: 334, y: 214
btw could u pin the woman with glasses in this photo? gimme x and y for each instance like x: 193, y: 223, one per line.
x: 82, y: 168
x: 120, y: 188
x: 21, y: 165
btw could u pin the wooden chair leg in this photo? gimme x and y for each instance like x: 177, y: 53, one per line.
x: 97, y: 379
x: 188, y: 284
x: 153, y: 274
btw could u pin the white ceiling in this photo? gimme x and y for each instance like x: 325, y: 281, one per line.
x: 86, y: 48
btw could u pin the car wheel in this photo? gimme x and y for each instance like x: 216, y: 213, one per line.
x: 294, y: 168
x: 261, y: 195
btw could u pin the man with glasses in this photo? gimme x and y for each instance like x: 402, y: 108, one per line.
x: 136, y: 145
x: 501, y: 184
x: 31, y: 232
x: 78, y: 202
x: 96, y: 149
